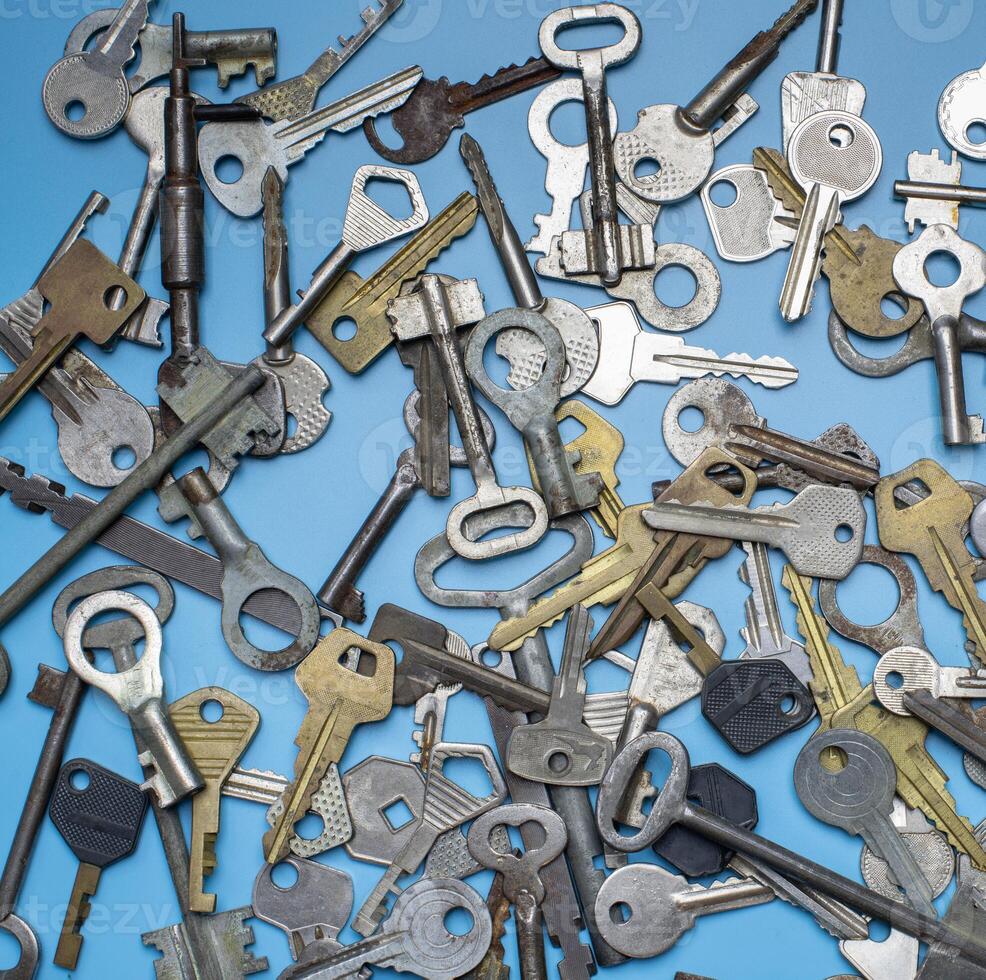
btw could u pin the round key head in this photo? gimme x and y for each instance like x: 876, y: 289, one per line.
x: 900, y: 671
x: 838, y: 150
x: 844, y: 777
x: 85, y: 95
x: 960, y: 109
x: 244, y: 151
x: 317, y: 904
x: 545, y: 103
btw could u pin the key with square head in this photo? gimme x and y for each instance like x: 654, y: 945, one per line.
x: 835, y: 157
x: 215, y: 745
x: 78, y: 288
x: 681, y: 139
x: 339, y: 699
x: 522, y: 883
x: 628, y: 354
x: 95, y: 78
x: 933, y: 530
x: 259, y: 145
x: 99, y: 814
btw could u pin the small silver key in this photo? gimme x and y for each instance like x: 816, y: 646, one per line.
x: 905, y: 669
x: 960, y: 109
x: 930, y: 168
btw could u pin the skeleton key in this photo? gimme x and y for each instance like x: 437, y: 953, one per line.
x: 259, y: 145
x: 364, y: 301
x: 436, y: 108
x: 339, y: 699
x: 76, y: 287
x: 930, y: 181
x: 561, y: 749
x: 295, y: 97
x: 681, y: 139
x: 492, y: 966
x: 95, y: 78
x: 100, y: 815
x: 933, y: 530
x: 215, y: 746
x: 835, y: 157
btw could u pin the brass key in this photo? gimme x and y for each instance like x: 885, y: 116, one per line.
x: 339, y: 699
x: 933, y: 530
x: 79, y: 289
x: 599, y: 447
x: 215, y: 747
x: 364, y: 301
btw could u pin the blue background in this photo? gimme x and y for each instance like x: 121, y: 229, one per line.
x: 303, y: 509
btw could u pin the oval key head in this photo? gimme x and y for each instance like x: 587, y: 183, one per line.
x: 247, y: 148
x: 85, y: 96
x: 900, y: 671
x: 600, y: 13
x: 960, y: 109
x: 838, y: 150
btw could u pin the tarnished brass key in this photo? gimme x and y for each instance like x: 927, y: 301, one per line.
x: 364, y: 301
x: 79, y: 289
x: 933, y: 530
x: 599, y: 448
x: 339, y: 699
x: 215, y: 746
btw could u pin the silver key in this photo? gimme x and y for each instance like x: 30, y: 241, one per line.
x: 628, y: 354
x: 893, y: 958
x: 929, y: 168
x: 94, y: 79
x: 960, y: 109
x: 835, y: 157
x: 820, y: 530
x: 258, y: 145
x: 139, y: 693
x: 907, y: 669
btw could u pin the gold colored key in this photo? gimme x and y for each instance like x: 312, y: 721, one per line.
x: 933, y: 530
x: 658, y: 606
x: 79, y: 289
x: 599, y: 448
x: 339, y: 699
x: 364, y: 301
x: 215, y: 747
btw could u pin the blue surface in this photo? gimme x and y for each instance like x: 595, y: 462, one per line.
x: 303, y: 509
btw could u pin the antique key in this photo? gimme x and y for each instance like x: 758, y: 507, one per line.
x: 100, y: 815
x: 339, y: 699
x: 215, y: 746
x: 78, y: 288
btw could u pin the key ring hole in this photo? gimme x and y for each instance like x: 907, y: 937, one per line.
x: 620, y: 912
x: 566, y: 123
x: 691, y: 419
x: 459, y: 921
x: 559, y: 762
x: 975, y: 132
x: 723, y: 193
x: 344, y: 329
x: 833, y: 759
x: 647, y: 169
x: 263, y: 636
x: 871, y: 585
x: 788, y: 705
x: 211, y: 711
x: 675, y: 285
x: 284, y: 876
x: 310, y: 827
x: 75, y: 111
x: 844, y: 533
x: 894, y: 306
x: 841, y: 136
x: 124, y: 457
x: 391, y: 195
x: 894, y: 680
x: 229, y: 168
x: 942, y: 269
x: 115, y: 294
x: 79, y: 780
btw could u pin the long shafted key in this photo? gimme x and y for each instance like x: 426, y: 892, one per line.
x: 681, y: 138
x: 933, y: 530
x: 835, y: 157
x: 259, y: 146
x: 628, y: 354
x: 436, y: 108
x: 215, y: 746
x: 100, y: 815
x: 77, y: 287
x: 339, y: 699
x: 95, y: 78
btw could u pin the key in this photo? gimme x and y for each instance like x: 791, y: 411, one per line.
x: 339, y: 699
x: 567, y: 164
x: 671, y: 808
x: 820, y: 530
x: 436, y: 108
x: 522, y: 883
x: 295, y: 97
x: 447, y: 805
x: 933, y: 190
x: 99, y: 814
x: 905, y: 671
x: 531, y: 410
x: 95, y: 79
x: 858, y: 798
x: 215, y: 746
x: 76, y: 287
x: 258, y: 146
x: 836, y: 158
x: 959, y: 109
x: 492, y: 965
x: 681, y: 139
x: 139, y: 693
x: 561, y: 749
x: 430, y: 709
x: 804, y: 93
x: 944, y: 307
x: 364, y: 301
x: 661, y: 907
x: 413, y: 938
x: 607, y: 249
x: 628, y: 354
x: 933, y: 531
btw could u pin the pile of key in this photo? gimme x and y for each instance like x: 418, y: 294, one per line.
x: 571, y: 792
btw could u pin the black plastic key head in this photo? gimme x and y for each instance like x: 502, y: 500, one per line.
x: 715, y: 788
x: 97, y: 812
x: 753, y: 702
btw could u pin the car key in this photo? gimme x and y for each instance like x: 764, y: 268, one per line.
x: 99, y: 814
x: 835, y: 157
